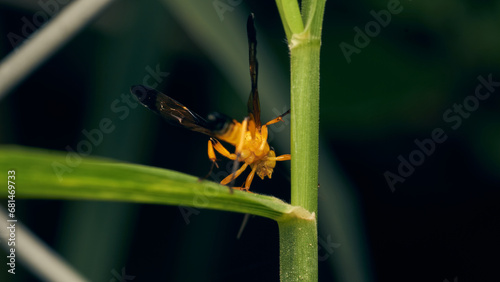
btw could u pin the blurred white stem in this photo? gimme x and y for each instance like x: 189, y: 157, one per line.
x: 35, y: 255
x: 46, y: 41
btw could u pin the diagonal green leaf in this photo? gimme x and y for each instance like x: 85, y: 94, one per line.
x: 42, y: 174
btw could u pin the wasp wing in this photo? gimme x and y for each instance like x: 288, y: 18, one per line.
x: 172, y: 111
x: 253, y: 101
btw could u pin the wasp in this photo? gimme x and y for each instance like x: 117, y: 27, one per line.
x: 249, y: 137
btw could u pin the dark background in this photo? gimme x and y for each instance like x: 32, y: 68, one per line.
x: 440, y: 223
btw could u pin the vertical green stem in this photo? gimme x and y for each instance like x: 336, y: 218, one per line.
x: 298, y: 250
x: 305, y: 122
x: 298, y: 237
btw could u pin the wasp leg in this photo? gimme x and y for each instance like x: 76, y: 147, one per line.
x: 250, y: 178
x: 243, y: 224
x: 241, y: 189
x: 215, y: 144
x: 244, y: 127
x: 285, y: 157
x: 211, y: 153
x: 263, y: 143
x: 239, y: 147
x: 278, y: 119
x: 264, y: 130
x: 212, y: 157
x: 234, y: 175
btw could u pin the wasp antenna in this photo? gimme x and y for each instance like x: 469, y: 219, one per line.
x: 285, y: 113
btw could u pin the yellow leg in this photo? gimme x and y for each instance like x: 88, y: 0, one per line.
x: 211, y: 153
x: 230, y: 178
x: 233, y: 176
x: 250, y: 178
x: 215, y: 144
x: 264, y: 131
x: 278, y: 119
x: 244, y: 126
x: 248, y: 182
x: 285, y: 157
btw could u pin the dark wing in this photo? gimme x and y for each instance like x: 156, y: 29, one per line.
x: 172, y: 111
x: 253, y: 101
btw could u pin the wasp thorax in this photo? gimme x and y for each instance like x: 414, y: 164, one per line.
x: 219, y: 123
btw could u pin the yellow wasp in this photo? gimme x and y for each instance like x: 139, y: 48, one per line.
x: 248, y: 137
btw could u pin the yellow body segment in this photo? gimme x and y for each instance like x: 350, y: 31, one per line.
x: 251, y: 148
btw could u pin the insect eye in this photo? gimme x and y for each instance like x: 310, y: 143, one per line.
x: 218, y: 122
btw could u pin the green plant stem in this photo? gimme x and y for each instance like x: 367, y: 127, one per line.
x: 298, y: 249
x: 304, y: 68
x: 298, y: 237
x: 305, y: 123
